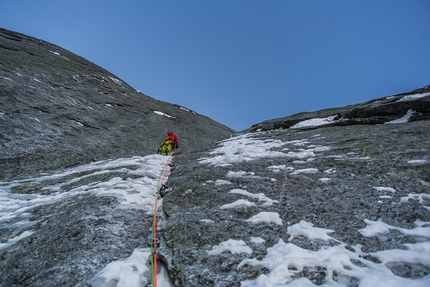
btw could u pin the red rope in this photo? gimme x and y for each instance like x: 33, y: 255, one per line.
x: 154, y: 223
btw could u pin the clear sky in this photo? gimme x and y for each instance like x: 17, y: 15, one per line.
x: 240, y: 62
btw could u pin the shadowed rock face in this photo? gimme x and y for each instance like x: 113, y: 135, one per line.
x: 59, y: 110
x: 376, y: 111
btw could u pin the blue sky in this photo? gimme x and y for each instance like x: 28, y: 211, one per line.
x: 242, y: 62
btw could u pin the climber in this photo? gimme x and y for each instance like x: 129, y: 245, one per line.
x: 169, y: 144
x: 174, y: 138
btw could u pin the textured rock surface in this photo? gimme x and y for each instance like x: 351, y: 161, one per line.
x: 376, y: 111
x: 74, y: 240
x: 360, y: 158
x: 59, y: 110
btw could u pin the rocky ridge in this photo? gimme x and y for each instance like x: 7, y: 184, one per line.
x: 377, y: 111
x: 59, y: 110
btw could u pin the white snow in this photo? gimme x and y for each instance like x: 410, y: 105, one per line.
x: 187, y: 110
x: 325, y: 179
x: 386, y: 189
x: 129, y: 272
x: 315, y: 122
x: 207, y: 220
x: 16, y: 239
x: 232, y: 246
x: 418, y: 161
x: 241, y: 149
x: 218, y: 182
x: 277, y: 168
x: 421, y: 197
x: 305, y: 170
x: 238, y: 203
x: 330, y: 171
x: 126, y: 272
x: 222, y: 182
x: 284, y: 260
x: 133, y: 193
x: 308, y: 230
x: 242, y: 174
x: 403, y: 119
x: 300, y: 154
x: 413, y: 97
x: 375, y: 228
x: 260, y: 196
x: 164, y: 114
x: 6, y: 78
x: 116, y: 81
x: 257, y: 240
x: 266, y: 217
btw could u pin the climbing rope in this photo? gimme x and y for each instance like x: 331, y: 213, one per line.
x: 153, y: 241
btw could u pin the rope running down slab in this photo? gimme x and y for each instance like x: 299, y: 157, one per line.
x: 154, y: 241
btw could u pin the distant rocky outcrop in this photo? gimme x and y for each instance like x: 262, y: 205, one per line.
x: 376, y: 111
x: 59, y: 110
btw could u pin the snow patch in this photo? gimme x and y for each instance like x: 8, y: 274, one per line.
x: 413, y: 97
x: 115, y: 80
x: 308, y: 230
x: 386, y: 189
x: 403, y: 119
x: 232, y: 246
x: 340, y: 262
x: 14, y: 240
x: 266, y: 217
x: 304, y: 170
x: 237, y: 204
x: 164, y: 114
x: 260, y: 196
x: 418, y: 161
x: 315, y: 122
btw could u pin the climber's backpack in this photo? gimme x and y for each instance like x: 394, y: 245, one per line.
x: 166, y: 148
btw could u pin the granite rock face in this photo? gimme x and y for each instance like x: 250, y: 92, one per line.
x: 59, y: 110
x: 376, y: 111
x: 59, y: 113
x: 334, y: 177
